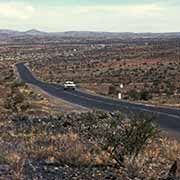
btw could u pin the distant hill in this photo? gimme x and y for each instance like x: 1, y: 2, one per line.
x: 33, y: 34
x: 6, y: 32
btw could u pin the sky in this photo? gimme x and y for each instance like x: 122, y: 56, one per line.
x: 91, y: 15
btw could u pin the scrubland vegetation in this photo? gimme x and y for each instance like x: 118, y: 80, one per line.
x: 148, y: 70
x: 39, y: 140
x: 89, y: 145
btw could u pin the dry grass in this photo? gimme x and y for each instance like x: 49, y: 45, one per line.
x: 156, y: 159
x: 71, y: 148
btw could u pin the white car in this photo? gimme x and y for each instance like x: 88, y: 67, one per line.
x: 69, y: 85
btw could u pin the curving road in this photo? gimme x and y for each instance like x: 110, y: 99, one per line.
x: 167, y: 118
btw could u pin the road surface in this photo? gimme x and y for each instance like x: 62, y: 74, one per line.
x: 168, y: 118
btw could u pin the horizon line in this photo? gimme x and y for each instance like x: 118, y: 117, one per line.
x: 93, y: 31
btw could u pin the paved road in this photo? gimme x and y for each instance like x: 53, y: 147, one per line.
x: 167, y: 118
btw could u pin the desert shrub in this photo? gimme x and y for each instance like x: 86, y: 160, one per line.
x: 112, y: 90
x: 142, y: 95
x: 132, y: 137
x: 24, y: 106
x: 141, y: 129
x: 3, y: 159
x: 134, y: 95
x: 145, y: 95
x: 18, y: 97
x: 16, y: 84
x: 13, y: 100
x: 120, y: 135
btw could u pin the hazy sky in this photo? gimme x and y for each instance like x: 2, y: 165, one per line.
x: 91, y: 15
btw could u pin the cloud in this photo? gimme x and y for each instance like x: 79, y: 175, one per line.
x: 154, y: 17
x: 16, y: 10
x: 102, y: 18
x: 135, y: 9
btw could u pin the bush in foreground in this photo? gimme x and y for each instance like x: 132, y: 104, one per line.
x: 118, y: 134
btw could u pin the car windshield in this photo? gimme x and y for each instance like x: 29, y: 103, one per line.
x: 69, y: 82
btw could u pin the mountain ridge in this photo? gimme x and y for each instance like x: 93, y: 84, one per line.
x: 36, y: 36
x: 37, y: 32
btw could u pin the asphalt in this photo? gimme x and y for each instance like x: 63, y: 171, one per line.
x: 166, y: 118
